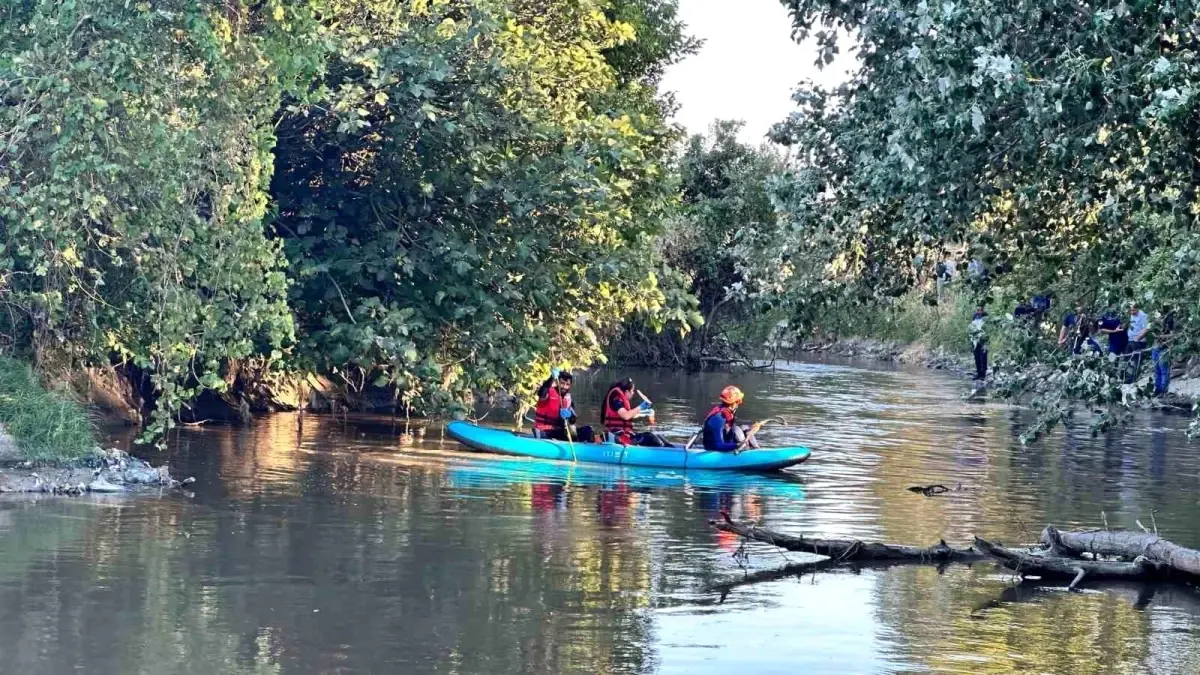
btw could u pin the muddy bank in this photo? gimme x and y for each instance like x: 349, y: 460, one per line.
x: 892, y: 352
x: 100, y: 471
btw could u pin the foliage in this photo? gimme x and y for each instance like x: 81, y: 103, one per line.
x: 1054, y: 140
x: 134, y: 160
x: 46, y: 425
x: 474, y: 203
x: 725, y: 216
x: 462, y: 191
x: 908, y: 319
x: 659, y: 40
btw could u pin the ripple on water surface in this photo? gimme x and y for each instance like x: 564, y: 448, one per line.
x: 360, y: 548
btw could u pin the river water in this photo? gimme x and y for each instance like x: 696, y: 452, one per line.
x: 358, y: 548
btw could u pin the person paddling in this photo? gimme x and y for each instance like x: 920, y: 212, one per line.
x: 721, y: 431
x: 618, y: 414
x: 555, y: 415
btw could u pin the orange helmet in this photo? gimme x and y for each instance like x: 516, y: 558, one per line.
x: 732, y: 396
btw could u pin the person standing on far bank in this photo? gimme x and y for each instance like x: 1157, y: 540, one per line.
x: 1118, y: 335
x: 1160, y: 355
x: 1139, y: 325
x: 978, y: 334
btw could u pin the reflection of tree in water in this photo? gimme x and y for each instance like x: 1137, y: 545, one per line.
x: 353, y: 566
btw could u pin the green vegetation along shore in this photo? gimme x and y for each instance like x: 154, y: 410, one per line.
x: 44, y: 426
x: 419, y: 201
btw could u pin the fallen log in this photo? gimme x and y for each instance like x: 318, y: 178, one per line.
x: 1126, y: 545
x: 1044, y: 563
x: 845, y: 550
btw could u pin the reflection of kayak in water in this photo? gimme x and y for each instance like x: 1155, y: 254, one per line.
x: 511, y: 443
x: 505, y: 473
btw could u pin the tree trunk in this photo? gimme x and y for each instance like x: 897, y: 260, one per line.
x: 1124, y: 544
x: 1043, y: 563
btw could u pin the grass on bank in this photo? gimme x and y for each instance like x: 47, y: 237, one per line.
x: 909, y: 320
x: 46, y: 425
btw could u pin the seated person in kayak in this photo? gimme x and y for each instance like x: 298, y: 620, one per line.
x: 721, y: 431
x: 554, y: 415
x: 619, y: 413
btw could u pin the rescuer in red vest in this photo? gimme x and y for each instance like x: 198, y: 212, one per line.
x: 619, y: 413
x: 555, y: 412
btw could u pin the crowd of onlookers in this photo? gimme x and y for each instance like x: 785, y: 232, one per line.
x: 1128, y: 338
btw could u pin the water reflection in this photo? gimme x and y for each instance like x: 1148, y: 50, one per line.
x: 361, y: 548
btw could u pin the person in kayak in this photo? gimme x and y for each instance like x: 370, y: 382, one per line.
x: 618, y: 414
x: 555, y: 412
x: 721, y: 431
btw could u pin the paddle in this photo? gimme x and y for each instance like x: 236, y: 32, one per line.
x: 570, y: 442
x: 566, y: 419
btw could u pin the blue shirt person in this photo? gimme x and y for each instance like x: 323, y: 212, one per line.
x: 1118, y: 337
x: 1161, y: 355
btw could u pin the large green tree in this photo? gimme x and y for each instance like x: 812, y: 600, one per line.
x: 476, y: 201
x: 462, y: 192
x: 1056, y: 139
x: 135, y: 156
x: 725, y: 217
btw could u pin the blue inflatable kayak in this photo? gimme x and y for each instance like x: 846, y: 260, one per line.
x: 494, y: 474
x: 511, y: 443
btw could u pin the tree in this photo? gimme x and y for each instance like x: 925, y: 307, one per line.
x: 725, y: 218
x: 135, y: 149
x: 1056, y: 138
x: 473, y: 205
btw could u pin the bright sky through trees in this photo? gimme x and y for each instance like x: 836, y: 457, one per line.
x: 747, y: 68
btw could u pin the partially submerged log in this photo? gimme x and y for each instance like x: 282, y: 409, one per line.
x: 1143, y: 556
x: 849, y: 549
x: 1126, y: 545
x: 1044, y: 563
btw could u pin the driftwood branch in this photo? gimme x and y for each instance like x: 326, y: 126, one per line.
x: 1125, y: 545
x: 1044, y: 563
x: 1068, y: 556
x: 847, y: 550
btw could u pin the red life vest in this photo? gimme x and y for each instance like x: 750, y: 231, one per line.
x: 612, y: 421
x: 547, y: 416
x: 723, y: 411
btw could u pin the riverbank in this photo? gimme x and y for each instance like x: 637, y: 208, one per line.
x: 1183, y: 395
x: 48, y: 443
x: 97, y: 471
x: 893, y: 352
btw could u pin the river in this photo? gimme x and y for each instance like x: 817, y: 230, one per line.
x: 358, y: 548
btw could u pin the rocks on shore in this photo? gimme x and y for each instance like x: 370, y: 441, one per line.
x: 101, y: 471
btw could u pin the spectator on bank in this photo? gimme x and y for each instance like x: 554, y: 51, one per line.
x: 975, y: 269
x: 1118, y: 337
x: 1040, y: 303
x: 1070, y: 328
x: 1139, y: 326
x: 978, y: 335
x: 1161, y: 354
x: 1024, y: 309
x: 1076, y: 331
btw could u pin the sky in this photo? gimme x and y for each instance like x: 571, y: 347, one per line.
x: 747, y: 69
